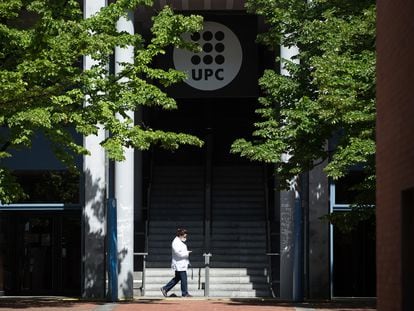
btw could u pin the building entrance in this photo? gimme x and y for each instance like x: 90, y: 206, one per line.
x: 210, y: 182
x: 40, y: 253
x: 218, y: 196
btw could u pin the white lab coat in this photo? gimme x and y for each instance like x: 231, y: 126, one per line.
x: 180, y: 255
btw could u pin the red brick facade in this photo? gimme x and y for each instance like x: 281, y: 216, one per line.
x: 395, y: 141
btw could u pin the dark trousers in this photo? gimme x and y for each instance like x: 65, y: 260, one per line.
x: 179, y: 276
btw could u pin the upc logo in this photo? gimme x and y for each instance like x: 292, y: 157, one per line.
x: 217, y: 64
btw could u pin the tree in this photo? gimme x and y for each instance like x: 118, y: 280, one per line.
x: 43, y: 87
x: 328, y: 96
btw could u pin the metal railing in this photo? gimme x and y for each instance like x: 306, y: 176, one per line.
x: 207, y: 274
x: 270, y: 280
x: 144, y: 256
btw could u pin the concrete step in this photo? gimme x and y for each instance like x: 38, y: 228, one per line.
x: 225, y: 292
x: 157, y: 282
x: 254, y: 281
x: 170, y: 208
x: 247, y: 279
x: 175, y: 292
x: 237, y: 272
x: 173, y: 223
x: 165, y: 272
x: 214, y: 292
x: 238, y: 224
x: 237, y: 211
x: 180, y: 217
x: 214, y: 272
x: 232, y: 193
x: 259, y: 252
x: 239, y: 260
x: 238, y: 265
x: 239, y: 294
x: 255, y: 247
x: 227, y: 264
x: 165, y: 250
x: 244, y: 230
x: 164, y: 258
x: 230, y: 243
x: 237, y: 237
x: 167, y: 237
x: 167, y: 264
x: 167, y: 259
x: 168, y: 190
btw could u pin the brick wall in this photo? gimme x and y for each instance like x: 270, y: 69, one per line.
x: 395, y: 140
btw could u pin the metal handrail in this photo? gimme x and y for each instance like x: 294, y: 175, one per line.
x: 270, y: 274
x: 144, y: 255
x: 207, y: 273
x: 269, y: 252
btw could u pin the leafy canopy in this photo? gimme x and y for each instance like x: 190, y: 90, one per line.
x: 43, y: 87
x: 329, y: 93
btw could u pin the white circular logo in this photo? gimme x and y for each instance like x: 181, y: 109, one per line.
x: 217, y: 64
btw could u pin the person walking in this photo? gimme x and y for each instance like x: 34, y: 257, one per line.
x: 179, y: 263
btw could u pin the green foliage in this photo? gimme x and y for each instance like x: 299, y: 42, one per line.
x: 43, y: 87
x: 10, y: 190
x: 346, y: 222
x: 330, y: 90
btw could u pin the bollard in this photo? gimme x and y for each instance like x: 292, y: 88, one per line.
x: 207, y: 274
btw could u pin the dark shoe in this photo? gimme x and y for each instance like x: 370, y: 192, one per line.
x: 188, y: 295
x: 163, y: 291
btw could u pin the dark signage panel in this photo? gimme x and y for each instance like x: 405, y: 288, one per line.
x: 227, y: 66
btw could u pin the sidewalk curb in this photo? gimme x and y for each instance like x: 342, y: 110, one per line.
x: 106, y: 307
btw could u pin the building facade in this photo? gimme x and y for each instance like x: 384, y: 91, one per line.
x: 248, y: 239
x: 395, y: 155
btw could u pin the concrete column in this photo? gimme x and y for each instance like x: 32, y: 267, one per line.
x: 124, y: 185
x: 287, y: 202
x: 93, y: 216
x: 287, y: 207
x: 318, y: 239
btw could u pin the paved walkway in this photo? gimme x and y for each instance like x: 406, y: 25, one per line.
x: 176, y: 304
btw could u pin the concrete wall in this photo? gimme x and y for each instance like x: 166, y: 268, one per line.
x: 395, y: 146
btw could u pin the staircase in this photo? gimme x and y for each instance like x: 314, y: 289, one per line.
x: 238, y: 193
x: 239, y: 262
x: 177, y: 193
x: 238, y: 266
x: 158, y: 266
x: 177, y: 201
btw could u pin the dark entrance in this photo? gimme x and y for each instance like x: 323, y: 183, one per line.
x: 354, y: 262
x: 190, y: 180
x: 40, y: 252
x: 218, y: 122
x: 218, y: 196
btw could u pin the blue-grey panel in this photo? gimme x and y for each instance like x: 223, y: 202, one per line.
x: 39, y: 157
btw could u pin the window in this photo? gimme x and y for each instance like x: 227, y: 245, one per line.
x: 345, y: 192
x: 354, y: 268
x: 353, y: 261
x: 50, y: 186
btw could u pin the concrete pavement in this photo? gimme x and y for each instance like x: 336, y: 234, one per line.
x: 177, y: 304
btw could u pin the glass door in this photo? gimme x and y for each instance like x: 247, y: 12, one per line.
x: 36, y: 258
x: 40, y: 253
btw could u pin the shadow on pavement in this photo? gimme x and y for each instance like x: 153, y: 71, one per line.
x: 344, y: 305
x: 37, y: 302
x: 65, y: 303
